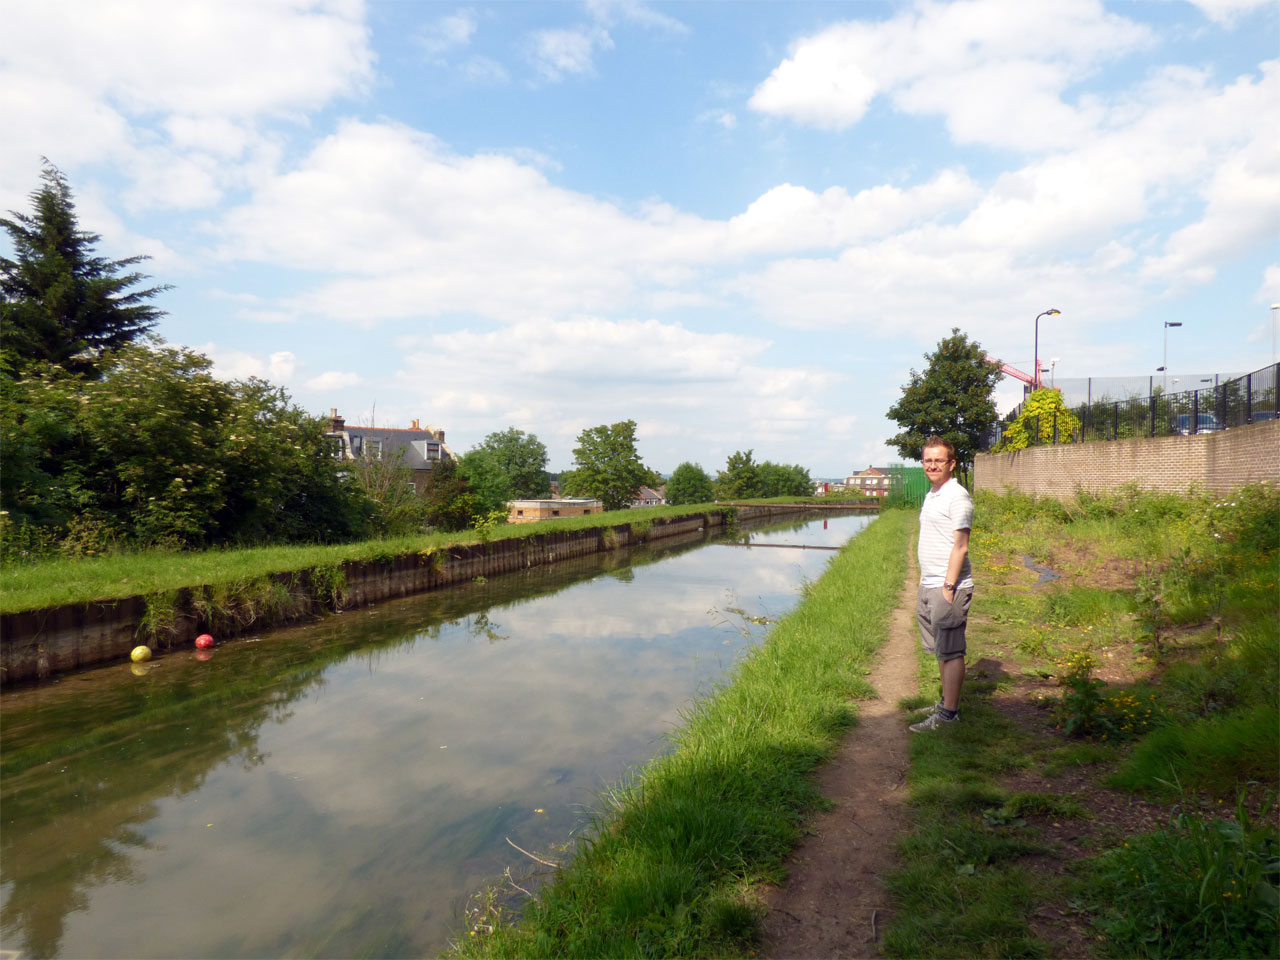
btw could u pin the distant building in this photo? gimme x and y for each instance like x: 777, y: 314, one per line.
x: 421, y: 448
x: 648, y: 497
x: 527, y: 511
x: 871, y: 482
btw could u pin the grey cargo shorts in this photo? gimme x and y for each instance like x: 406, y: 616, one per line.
x: 942, y: 624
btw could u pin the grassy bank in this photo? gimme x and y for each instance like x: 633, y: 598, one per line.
x: 85, y: 580
x: 1108, y: 790
x: 667, y: 867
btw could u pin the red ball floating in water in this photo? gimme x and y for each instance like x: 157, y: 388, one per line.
x: 204, y: 641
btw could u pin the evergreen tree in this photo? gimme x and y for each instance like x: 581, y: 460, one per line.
x: 59, y: 301
x: 951, y: 399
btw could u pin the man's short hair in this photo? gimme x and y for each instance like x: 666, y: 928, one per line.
x: 936, y: 441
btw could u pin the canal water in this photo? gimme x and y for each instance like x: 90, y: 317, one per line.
x: 339, y: 789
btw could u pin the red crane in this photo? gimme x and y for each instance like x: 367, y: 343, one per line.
x: 1035, y: 382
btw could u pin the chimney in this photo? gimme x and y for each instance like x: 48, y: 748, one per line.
x: 439, y: 436
x: 415, y: 424
x: 336, y: 423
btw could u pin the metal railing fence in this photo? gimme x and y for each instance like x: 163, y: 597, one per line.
x: 1250, y: 398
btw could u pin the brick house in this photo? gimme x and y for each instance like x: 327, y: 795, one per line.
x: 420, y: 447
x: 871, y: 482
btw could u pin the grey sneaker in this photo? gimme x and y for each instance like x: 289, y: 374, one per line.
x: 934, y: 709
x: 932, y: 722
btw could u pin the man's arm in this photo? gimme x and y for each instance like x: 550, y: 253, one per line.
x: 955, y: 563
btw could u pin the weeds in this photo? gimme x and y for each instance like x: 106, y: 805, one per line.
x: 1201, y: 887
x: 1081, y: 710
x: 329, y: 585
x: 159, y: 622
x: 1196, y: 601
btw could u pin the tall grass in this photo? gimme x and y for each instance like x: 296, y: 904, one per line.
x: 57, y: 582
x: 1200, y: 613
x: 1201, y: 887
x: 663, y: 872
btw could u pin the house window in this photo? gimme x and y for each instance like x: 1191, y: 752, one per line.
x: 555, y: 513
x: 519, y: 513
x: 374, y: 450
x: 357, y: 445
x: 585, y: 512
x: 336, y: 445
x: 433, y: 451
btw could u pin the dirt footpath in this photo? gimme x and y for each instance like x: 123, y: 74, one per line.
x: 834, y: 903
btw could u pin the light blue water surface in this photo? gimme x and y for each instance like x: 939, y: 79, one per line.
x: 339, y: 789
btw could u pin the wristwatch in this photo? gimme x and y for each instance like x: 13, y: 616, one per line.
x: 949, y: 586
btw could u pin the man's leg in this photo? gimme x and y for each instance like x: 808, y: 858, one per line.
x: 952, y: 673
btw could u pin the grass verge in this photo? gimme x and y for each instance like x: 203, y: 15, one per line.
x: 667, y: 869
x: 59, y: 582
x: 1136, y: 699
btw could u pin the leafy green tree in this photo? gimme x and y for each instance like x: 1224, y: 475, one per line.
x: 159, y: 451
x: 689, y: 483
x: 42, y: 448
x: 783, y: 480
x: 1044, y: 404
x: 451, y: 506
x: 486, y: 479
x: 523, y: 458
x: 607, y: 466
x: 950, y: 399
x: 59, y: 301
x: 739, y: 480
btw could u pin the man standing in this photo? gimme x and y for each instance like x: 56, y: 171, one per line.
x: 946, y: 586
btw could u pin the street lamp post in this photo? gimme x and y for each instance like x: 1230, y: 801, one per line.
x: 1167, y: 325
x: 1036, y: 374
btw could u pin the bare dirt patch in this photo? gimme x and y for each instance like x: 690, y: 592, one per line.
x: 834, y: 903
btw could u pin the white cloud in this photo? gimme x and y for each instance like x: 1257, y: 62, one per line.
x: 1228, y: 11
x: 1269, y: 292
x: 557, y: 378
x: 995, y: 69
x: 402, y: 227
x: 184, y: 89
x: 333, y: 380
x: 1242, y: 211
x: 479, y: 69
x: 557, y: 52
x: 278, y: 367
x: 448, y: 33
x: 608, y: 12
x: 723, y: 118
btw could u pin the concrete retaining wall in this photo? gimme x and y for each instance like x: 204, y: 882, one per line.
x: 37, y: 643
x: 1218, y: 462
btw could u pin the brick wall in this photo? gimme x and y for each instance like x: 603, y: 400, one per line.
x: 1218, y: 462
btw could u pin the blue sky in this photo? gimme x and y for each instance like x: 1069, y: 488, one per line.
x: 739, y: 224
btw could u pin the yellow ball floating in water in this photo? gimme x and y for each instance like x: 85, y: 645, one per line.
x: 140, y: 654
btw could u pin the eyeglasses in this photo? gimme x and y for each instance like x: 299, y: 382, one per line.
x: 935, y: 463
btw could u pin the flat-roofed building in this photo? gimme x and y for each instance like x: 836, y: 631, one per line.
x: 527, y: 511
